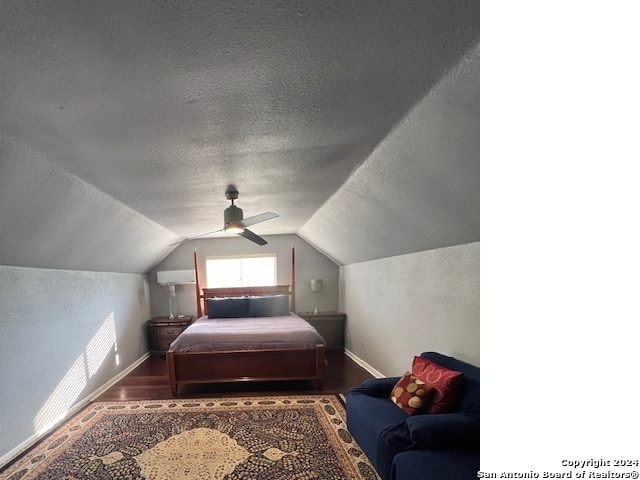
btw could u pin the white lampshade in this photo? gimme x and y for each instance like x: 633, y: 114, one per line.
x: 172, y: 278
x: 316, y: 284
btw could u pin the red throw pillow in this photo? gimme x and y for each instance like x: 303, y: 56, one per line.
x: 443, y: 381
x: 410, y: 394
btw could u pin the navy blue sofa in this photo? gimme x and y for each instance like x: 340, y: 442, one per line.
x: 421, y: 446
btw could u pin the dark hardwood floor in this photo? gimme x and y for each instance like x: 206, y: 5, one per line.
x: 149, y: 382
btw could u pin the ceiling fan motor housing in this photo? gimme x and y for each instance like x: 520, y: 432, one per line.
x: 232, y: 214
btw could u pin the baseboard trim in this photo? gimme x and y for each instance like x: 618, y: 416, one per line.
x: 117, y: 378
x: 363, y: 364
x: 29, y: 442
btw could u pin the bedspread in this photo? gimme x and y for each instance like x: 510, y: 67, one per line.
x: 256, y: 333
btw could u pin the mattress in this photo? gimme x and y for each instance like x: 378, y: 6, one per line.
x: 255, y: 333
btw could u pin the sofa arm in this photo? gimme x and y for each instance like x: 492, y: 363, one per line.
x: 377, y: 387
x: 447, y: 431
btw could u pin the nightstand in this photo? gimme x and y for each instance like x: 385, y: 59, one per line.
x: 164, y: 330
x: 328, y: 324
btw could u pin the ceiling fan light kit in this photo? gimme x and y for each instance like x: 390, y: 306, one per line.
x: 233, y: 228
x: 234, y: 221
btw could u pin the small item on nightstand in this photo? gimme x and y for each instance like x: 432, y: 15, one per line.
x: 316, y: 287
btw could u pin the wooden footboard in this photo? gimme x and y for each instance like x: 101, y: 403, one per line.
x: 246, y: 366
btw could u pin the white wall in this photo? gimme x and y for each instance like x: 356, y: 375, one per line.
x: 401, y: 306
x: 64, y: 335
x: 309, y: 264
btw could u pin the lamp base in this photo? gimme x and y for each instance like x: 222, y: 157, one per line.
x: 315, y: 310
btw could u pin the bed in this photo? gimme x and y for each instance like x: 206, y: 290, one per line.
x: 192, y: 360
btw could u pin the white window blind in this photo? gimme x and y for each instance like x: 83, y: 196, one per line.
x: 250, y: 271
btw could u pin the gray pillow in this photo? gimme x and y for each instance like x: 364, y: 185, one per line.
x: 272, y: 306
x: 230, y: 307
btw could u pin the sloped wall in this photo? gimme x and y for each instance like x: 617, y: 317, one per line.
x: 50, y: 218
x: 420, y: 188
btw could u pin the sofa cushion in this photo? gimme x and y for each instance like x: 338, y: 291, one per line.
x: 435, y: 465
x: 411, y: 394
x: 469, y: 394
x: 437, y: 432
x: 455, y: 431
x: 443, y: 381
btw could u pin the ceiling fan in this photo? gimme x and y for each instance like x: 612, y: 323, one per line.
x: 235, y: 223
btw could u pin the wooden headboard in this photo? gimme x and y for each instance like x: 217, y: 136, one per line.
x: 245, y: 291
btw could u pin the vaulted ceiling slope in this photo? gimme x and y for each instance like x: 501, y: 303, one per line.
x: 420, y: 188
x: 122, y: 123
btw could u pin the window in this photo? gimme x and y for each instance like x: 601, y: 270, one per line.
x: 250, y: 271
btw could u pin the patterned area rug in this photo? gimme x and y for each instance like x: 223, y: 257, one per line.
x: 274, y: 438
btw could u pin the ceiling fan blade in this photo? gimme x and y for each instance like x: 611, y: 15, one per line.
x: 233, y: 221
x: 249, y: 235
x: 247, y: 222
x: 192, y: 238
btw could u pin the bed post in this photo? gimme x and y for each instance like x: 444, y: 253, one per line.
x: 171, y: 370
x: 293, y: 278
x: 198, y: 301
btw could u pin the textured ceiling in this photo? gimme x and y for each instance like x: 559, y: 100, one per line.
x: 160, y: 105
x: 420, y: 188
